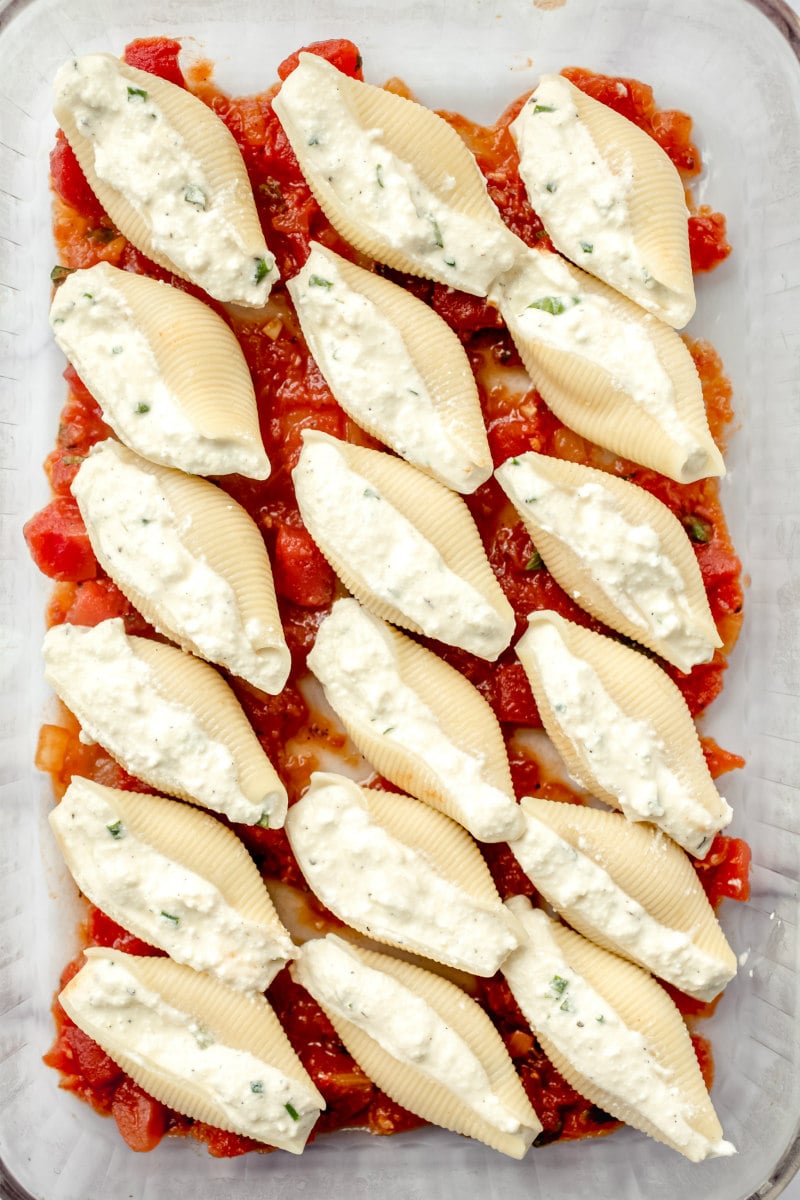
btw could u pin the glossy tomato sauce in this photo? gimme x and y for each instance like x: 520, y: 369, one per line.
x: 291, y: 396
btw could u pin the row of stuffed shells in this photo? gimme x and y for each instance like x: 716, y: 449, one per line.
x: 399, y: 184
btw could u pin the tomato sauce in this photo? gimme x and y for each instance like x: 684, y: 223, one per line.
x: 292, y: 395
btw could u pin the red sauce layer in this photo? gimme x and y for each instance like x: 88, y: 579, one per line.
x: 292, y: 395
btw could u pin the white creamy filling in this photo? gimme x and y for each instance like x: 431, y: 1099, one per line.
x: 563, y: 1007
x: 626, y: 756
x: 355, y: 663
x: 381, y: 885
x: 626, y: 561
x: 367, y: 366
x: 140, y: 154
x: 583, y: 201
x: 345, y: 512
x: 167, y: 903
x: 108, y: 1002
x: 114, y: 696
x: 383, y: 193
x: 577, y: 886
x: 402, y: 1023
x: 135, y: 531
x: 95, y: 327
x: 543, y: 300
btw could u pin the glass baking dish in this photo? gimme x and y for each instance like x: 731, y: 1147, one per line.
x: 733, y: 65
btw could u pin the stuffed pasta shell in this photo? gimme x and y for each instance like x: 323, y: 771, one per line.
x: 170, y: 719
x: 628, y: 888
x: 174, y: 877
x: 426, y: 1044
x: 394, y: 366
x: 417, y: 720
x: 168, y: 173
x: 614, y: 374
x: 618, y: 551
x: 623, y: 729
x: 406, y: 547
x: 189, y: 557
x: 168, y: 373
x: 613, y: 1033
x: 393, y: 178
x: 609, y: 197
x: 399, y: 872
x: 199, y: 1047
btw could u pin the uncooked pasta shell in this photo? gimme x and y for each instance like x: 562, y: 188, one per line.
x: 463, y: 716
x: 435, y: 352
x: 586, y: 397
x: 219, y: 533
x: 638, y: 507
x: 415, y: 135
x: 209, y: 141
x: 643, y: 692
x: 644, y: 1007
x: 197, y: 357
x: 409, y: 1087
x: 240, y: 1022
x: 647, y: 866
x: 440, y: 847
x: 438, y: 515
x: 184, y: 835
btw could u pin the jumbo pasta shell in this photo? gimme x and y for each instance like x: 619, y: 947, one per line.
x: 627, y: 888
x: 613, y: 373
x: 393, y: 178
x: 417, y: 720
x: 618, y: 551
x: 174, y: 877
x: 623, y: 729
x: 199, y: 1047
x: 169, y: 718
x: 395, y: 367
x: 189, y: 557
x: 422, y: 1040
x: 167, y: 372
x: 168, y: 173
x: 609, y: 197
x: 613, y: 1033
x: 406, y: 547
x: 400, y: 872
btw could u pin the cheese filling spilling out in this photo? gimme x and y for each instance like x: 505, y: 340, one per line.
x: 140, y: 154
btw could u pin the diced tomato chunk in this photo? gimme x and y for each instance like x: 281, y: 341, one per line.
x: 142, y: 1121
x: 58, y: 541
x: 70, y: 183
x: 343, y: 54
x: 97, y: 600
x: 90, y: 1060
x: 708, y: 243
x: 510, y: 695
x: 725, y: 870
x: 223, y: 1144
x: 301, y: 573
x: 157, y: 55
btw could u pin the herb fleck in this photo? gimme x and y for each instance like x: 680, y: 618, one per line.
x: 698, y: 529
x: 587, y: 247
x: 292, y: 1111
x: 173, y: 920
x: 550, y: 187
x: 537, y: 108
x: 59, y: 274
x: 535, y: 562
x: 195, y: 196
x: 318, y: 281
x: 141, y: 408
x: 558, y: 985
x: 379, y: 175
x: 135, y: 93
x: 437, y: 233
x: 263, y: 820
x: 263, y: 269
x: 553, y: 305
x: 257, y: 1087
x: 116, y: 829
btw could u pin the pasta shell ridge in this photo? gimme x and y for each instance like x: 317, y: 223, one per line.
x: 423, y: 1096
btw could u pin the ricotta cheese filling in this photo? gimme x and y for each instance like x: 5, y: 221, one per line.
x: 544, y: 300
x: 402, y: 1023
x: 625, y: 755
x: 95, y: 327
x: 137, y: 534
x: 168, y: 904
x: 140, y: 153
x: 116, y: 699
x: 626, y: 561
x: 384, y: 887
x: 107, y: 1000
x: 346, y: 513
x: 587, y: 895
x: 367, y: 366
x: 356, y: 665
x: 583, y: 201
x: 563, y: 1007
x: 382, y: 192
